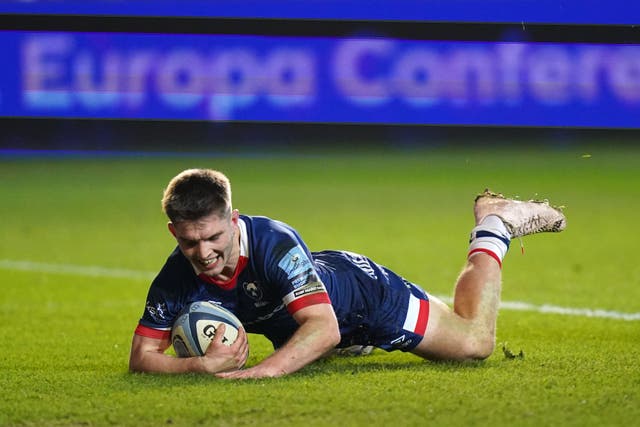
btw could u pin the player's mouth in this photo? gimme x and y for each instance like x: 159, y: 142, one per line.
x: 209, y: 264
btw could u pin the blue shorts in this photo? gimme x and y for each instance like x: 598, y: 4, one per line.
x: 373, y: 305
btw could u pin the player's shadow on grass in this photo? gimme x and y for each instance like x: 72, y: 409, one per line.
x: 377, y: 363
x: 361, y: 365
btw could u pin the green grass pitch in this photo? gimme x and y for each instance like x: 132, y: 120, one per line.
x: 81, y: 238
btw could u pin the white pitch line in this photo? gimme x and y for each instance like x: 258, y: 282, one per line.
x: 74, y: 270
x: 570, y: 311
x: 121, y: 273
x: 556, y: 309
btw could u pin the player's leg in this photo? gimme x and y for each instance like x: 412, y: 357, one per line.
x: 468, y: 331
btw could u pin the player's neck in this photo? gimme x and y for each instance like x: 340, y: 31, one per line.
x: 229, y: 270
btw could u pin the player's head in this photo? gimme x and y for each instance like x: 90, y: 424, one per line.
x: 196, y: 193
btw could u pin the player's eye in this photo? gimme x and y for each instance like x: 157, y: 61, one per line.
x: 214, y: 237
x: 188, y: 243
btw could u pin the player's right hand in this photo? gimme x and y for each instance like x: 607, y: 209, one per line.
x: 220, y: 357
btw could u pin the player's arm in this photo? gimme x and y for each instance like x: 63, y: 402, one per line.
x: 317, y: 334
x: 148, y: 355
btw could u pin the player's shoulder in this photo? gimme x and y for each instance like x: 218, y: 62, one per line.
x: 259, y: 222
x: 269, y: 237
x: 175, y: 270
x: 265, y: 228
x: 176, y: 261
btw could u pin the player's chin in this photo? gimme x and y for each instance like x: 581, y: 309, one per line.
x: 211, y: 272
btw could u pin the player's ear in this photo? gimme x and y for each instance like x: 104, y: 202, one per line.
x: 171, y: 228
x: 235, y: 215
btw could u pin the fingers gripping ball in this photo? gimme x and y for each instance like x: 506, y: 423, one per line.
x: 196, y: 326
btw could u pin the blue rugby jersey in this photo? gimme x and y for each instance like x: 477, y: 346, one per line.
x: 278, y: 275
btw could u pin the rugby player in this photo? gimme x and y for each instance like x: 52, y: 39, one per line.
x: 310, y: 303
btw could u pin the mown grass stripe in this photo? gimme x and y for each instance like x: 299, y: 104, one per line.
x: 98, y: 271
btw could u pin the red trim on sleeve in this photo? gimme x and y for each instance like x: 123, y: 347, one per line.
x: 307, y: 300
x: 156, y: 334
x: 488, y: 252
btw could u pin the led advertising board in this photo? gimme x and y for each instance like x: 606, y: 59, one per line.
x: 611, y: 12
x: 318, y: 80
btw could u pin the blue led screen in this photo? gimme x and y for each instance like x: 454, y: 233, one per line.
x: 621, y: 12
x: 326, y: 80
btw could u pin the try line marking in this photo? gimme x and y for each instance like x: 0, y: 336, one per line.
x: 97, y: 271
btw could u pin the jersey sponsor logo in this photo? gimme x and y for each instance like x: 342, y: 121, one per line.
x: 295, y: 262
x: 311, y: 288
x: 401, y: 342
x: 362, y: 263
x: 265, y: 317
x: 158, y: 312
x: 398, y: 340
x: 304, y: 279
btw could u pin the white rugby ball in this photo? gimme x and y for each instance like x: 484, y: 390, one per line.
x: 196, y: 326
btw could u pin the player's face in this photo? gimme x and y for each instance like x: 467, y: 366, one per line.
x: 210, y: 243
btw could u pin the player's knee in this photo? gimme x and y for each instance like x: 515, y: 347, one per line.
x: 479, y: 348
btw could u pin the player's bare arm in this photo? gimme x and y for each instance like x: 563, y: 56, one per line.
x: 318, y: 333
x: 148, y: 355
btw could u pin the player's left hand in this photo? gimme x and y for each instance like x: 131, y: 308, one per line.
x: 258, y: 371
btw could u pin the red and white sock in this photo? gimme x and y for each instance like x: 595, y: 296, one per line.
x: 490, y: 237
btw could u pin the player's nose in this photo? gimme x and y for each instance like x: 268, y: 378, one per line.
x: 203, y: 250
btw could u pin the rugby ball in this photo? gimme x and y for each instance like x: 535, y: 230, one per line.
x: 196, y: 326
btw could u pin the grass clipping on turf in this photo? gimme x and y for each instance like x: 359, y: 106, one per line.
x: 508, y: 354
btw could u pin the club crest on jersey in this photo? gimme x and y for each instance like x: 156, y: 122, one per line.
x: 252, y: 290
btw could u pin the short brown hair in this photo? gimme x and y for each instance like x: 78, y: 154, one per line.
x: 195, y: 194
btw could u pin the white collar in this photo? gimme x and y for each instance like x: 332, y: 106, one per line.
x: 244, y: 238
